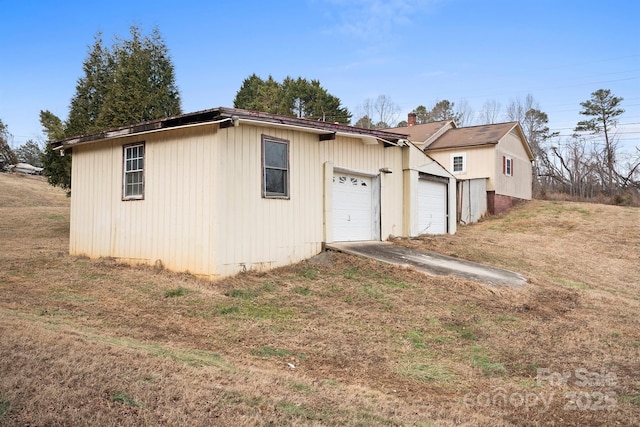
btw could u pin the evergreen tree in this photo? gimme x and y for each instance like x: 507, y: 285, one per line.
x: 7, y: 155
x: 130, y: 82
x: 293, y: 97
x: 442, y: 110
x: 364, y: 122
x: 30, y: 153
x: 91, y: 90
x: 142, y: 82
x: 57, y: 168
x: 604, y: 110
x: 248, y: 97
x: 422, y: 114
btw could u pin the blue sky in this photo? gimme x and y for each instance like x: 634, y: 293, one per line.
x: 415, y: 52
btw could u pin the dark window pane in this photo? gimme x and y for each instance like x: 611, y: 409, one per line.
x: 275, y: 154
x: 275, y: 181
x: 457, y: 164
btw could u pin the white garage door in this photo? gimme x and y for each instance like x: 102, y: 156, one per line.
x: 353, y: 208
x: 432, y: 207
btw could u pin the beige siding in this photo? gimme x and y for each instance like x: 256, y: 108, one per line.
x: 480, y: 162
x: 203, y: 209
x: 519, y: 185
x: 486, y: 162
x: 170, y: 224
x: 261, y: 233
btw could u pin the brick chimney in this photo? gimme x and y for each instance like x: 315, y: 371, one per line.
x: 412, y: 119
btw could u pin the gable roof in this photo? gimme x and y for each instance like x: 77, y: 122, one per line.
x: 423, y: 132
x: 228, y: 117
x: 476, y: 136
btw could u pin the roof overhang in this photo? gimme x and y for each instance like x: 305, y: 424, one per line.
x: 228, y: 117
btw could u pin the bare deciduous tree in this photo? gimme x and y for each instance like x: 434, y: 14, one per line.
x: 490, y: 112
x: 464, y: 113
x: 517, y: 108
x: 382, y: 111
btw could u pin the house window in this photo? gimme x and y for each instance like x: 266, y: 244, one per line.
x: 275, y: 167
x: 133, y: 176
x: 507, y: 165
x: 458, y: 163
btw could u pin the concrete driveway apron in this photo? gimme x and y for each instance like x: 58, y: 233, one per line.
x: 431, y: 263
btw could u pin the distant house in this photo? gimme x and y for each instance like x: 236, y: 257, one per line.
x: 423, y: 134
x: 225, y: 190
x: 492, y: 163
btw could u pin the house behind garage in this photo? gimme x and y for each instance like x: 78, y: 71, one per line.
x: 492, y: 163
x: 226, y: 190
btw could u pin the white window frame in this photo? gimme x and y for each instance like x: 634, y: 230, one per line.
x: 265, y: 167
x: 464, y: 163
x: 133, y: 171
x: 508, y: 166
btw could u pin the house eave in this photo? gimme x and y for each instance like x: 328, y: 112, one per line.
x: 228, y: 117
x: 428, y: 149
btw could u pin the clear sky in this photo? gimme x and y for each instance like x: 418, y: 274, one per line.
x: 414, y: 51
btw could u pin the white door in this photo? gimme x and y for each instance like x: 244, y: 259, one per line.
x: 353, y: 208
x: 432, y: 207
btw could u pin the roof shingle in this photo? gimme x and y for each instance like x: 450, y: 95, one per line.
x: 472, y: 136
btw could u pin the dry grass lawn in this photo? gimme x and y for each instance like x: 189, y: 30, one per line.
x: 337, y: 340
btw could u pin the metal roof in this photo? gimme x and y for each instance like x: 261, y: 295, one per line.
x: 228, y: 117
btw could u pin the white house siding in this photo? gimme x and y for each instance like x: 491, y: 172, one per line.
x: 480, y: 162
x: 203, y: 209
x: 168, y: 224
x: 518, y: 185
x: 91, y: 203
x: 179, y: 200
x: 259, y: 233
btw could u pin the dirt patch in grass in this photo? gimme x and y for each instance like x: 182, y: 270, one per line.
x: 337, y: 340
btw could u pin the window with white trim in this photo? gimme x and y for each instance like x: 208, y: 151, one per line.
x: 507, y: 165
x: 133, y: 172
x: 275, y: 167
x: 458, y: 163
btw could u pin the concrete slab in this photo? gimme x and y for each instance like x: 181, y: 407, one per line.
x: 431, y: 263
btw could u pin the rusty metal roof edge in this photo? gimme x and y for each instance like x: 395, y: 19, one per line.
x: 214, y: 115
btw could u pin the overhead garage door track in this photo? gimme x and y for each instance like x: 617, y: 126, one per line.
x: 431, y: 263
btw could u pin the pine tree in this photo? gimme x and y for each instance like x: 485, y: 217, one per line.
x: 603, y: 108
x: 91, y: 90
x: 31, y: 153
x: 7, y: 155
x: 293, y: 97
x: 142, y: 84
x: 57, y: 168
x: 131, y: 82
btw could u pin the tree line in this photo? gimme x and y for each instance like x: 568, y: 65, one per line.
x: 133, y: 80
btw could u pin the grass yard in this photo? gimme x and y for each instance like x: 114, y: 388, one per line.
x: 336, y: 340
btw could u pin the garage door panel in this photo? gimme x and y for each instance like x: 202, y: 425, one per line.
x: 352, y: 207
x: 432, y: 207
